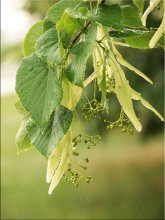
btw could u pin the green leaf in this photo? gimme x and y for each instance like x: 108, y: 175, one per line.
x: 76, y: 70
x: 80, y: 13
x: 142, y: 41
x: 67, y: 27
x: 56, y: 11
x: 45, y: 141
x: 67, y: 23
x: 31, y: 37
x: 139, y: 4
x: 47, y: 24
x: 21, y: 109
x: 47, y: 47
x: 22, y: 139
x: 131, y: 17
x: 109, y: 16
x: 38, y: 88
x: 128, y: 33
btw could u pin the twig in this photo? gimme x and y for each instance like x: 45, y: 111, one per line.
x: 79, y: 34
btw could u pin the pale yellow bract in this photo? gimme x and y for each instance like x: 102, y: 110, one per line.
x: 161, y: 30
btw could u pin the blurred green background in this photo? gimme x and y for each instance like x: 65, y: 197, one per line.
x: 127, y: 171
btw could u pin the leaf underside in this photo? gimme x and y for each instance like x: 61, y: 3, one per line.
x: 46, y: 141
x: 23, y: 141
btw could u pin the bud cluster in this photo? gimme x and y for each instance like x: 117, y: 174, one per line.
x: 74, y: 175
x: 92, y: 109
x: 75, y: 170
x: 84, y: 139
x: 123, y: 123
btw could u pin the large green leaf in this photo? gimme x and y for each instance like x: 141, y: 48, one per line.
x: 46, y: 141
x: 31, y: 37
x: 56, y: 11
x: 76, y: 70
x: 131, y: 17
x: 47, y: 47
x: 38, y: 88
x: 109, y: 16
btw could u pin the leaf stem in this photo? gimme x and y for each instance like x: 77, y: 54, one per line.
x: 79, y: 34
x: 77, y: 37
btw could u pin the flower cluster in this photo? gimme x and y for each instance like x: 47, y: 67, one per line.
x: 77, y: 166
x: 92, y: 109
x: 122, y: 122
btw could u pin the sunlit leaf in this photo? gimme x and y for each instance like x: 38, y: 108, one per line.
x: 38, y: 88
x: 56, y: 11
x: 22, y: 139
x: 31, y: 37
